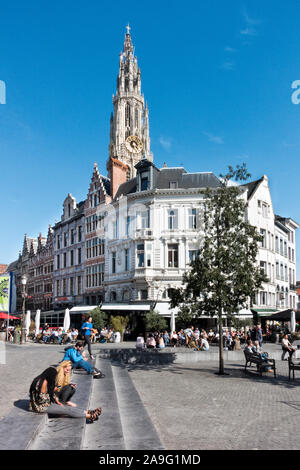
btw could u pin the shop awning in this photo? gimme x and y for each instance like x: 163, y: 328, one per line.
x: 284, y: 315
x: 4, y: 316
x: 264, y: 312
x: 127, y: 307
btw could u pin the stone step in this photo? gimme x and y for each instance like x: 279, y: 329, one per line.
x: 106, y: 433
x: 65, y: 433
x: 18, y: 430
x: 138, y: 429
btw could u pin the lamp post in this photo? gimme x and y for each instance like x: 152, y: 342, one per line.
x: 23, y: 332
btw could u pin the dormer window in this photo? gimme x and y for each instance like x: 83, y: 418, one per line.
x: 144, y: 181
x: 173, y: 185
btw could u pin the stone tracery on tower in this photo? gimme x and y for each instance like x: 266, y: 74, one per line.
x: 129, y: 123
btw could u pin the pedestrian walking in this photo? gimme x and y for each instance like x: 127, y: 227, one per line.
x: 86, y: 331
x: 259, y: 336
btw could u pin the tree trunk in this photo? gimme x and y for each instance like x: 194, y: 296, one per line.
x: 221, y: 356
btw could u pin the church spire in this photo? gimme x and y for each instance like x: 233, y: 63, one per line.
x: 129, y: 123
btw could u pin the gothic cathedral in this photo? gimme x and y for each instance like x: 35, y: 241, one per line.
x: 129, y: 123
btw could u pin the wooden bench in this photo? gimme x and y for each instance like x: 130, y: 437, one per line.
x: 293, y: 367
x: 254, y: 358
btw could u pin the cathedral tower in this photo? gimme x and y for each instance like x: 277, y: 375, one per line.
x: 129, y: 123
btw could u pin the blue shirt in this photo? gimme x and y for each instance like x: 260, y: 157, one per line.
x: 73, y: 355
x: 89, y: 326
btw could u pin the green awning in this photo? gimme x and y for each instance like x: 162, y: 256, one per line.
x: 264, y: 312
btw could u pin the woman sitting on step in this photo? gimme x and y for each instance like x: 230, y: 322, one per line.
x: 51, y: 392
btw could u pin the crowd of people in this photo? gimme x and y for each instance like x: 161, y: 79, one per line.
x: 199, y: 340
x: 59, y: 335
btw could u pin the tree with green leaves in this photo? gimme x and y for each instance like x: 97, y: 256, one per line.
x: 154, y: 321
x: 119, y: 323
x: 99, y: 318
x: 225, y: 274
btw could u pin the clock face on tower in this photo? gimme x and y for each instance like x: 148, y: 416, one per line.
x: 134, y: 144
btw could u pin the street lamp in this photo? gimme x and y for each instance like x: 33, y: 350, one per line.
x: 23, y: 332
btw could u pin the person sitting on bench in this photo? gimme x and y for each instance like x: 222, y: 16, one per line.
x: 250, y: 348
x: 287, y: 348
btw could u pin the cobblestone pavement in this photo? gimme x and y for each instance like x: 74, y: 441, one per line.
x: 193, y: 408
x: 23, y: 363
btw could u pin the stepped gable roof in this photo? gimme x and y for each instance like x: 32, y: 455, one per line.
x: 106, y: 184
x: 252, y: 186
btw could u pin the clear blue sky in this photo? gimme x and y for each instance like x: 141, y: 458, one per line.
x: 217, y: 77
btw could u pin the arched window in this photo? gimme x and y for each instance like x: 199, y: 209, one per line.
x: 113, y: 296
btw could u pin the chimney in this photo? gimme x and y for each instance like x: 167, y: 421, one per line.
x: 165, y: 165
x: 117, y: 172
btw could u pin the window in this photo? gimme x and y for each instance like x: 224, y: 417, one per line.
x: 144, y: 294
x: 95, y: 275
x: 193, y: 254
x: 145, y: 219
x: 72, y: 258
x: 115, y: 229
x: 64, y: 287
x: 71, y: 285
x: 277, y: 270
x: 192, y: 219
x: 57, y: 262
x: 281, y: 246
x: 172, y: 219
x: 173, y: 256
x: 72, y: 237
x: 79, y: 256
x: 263, y: 298
x: 79, y: 285
x: 136, y: 118
x: 58, y: 242
x: 263, y: 266
x: 140, y: 255
x: 126, y: 253
x: 113, y: 262
x: 263, y: 234
x: 277, y: 243
x: 128, y: 225
x: 57, y: 288
x: 127, y: 115
x: 144, y: 181
x: 148, y: 264
x: 65, y: 260
x: 65, y: 239
x: 173, y: 184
